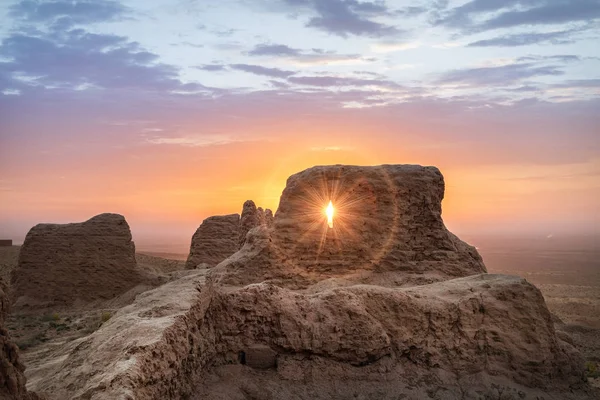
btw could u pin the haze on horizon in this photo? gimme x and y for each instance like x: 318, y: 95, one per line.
x: 171, y: 111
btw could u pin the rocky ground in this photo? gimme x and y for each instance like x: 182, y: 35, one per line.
x: 38, y: 334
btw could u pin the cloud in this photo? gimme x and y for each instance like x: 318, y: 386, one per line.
x: 229, y: 46
x: 279, y: 84
x: 331, y: 148
x: 196, y: 140
x: 342, y: 17
x: 249, y: 68
x: 482, y: 15
x: 524, y: 39
x: 335, y: 81
x: 305, y: 57
x: 79, y: 59
x: 188, y: 44
x: 46, y: 50
x: 524, y: 89
x: 11, y: 92
x: 345, y: 18
x: 211, y: 67
x: 225, y: 32
x: 273, y: 50
x: 447, y: 45
x: 539, y: 132
x: 64, y: 14
x: 390, y: 47
x: 411, y: 11
x: 552, y: 12
x: 264, y: 71
x: 559, y: 174
x: 329, y: 59
x: 565, y: 58
x: 579, y: 83
x: 498, y: 75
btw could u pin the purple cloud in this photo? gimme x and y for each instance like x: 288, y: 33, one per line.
x: 264, y: 71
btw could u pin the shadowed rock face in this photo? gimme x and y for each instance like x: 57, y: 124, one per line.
x: 387, y: 230
x: 79, y: 262
x: 12, y: 378
x: 215, y: 240
x: 251, y: 218
x: 220, y: 236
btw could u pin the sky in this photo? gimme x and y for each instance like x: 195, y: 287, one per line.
x: 170, y: 111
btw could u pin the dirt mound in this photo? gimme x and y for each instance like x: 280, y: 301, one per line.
x: 61, y: 265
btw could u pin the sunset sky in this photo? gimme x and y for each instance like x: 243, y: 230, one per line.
x: 169, y: 111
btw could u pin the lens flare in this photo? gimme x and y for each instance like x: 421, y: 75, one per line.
x: 329, y: 211
x: 356, y: 205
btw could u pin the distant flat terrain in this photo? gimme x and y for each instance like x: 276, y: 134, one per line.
x: 566, y: 270
x: 556, y: 260
x: 168, y: 256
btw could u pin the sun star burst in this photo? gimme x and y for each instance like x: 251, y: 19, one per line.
x: 330, y: 211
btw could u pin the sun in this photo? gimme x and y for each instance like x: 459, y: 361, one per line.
x: 330, y: 211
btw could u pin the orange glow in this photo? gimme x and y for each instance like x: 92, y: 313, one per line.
x: 167, y: 203
x: 330, y: 211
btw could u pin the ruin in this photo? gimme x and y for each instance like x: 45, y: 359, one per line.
x: 221, y: 236
x: 387, y: 304
x: 79, y: 262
